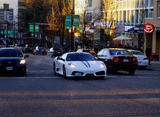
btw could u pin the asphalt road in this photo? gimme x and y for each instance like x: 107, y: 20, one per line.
x: 41, y: 94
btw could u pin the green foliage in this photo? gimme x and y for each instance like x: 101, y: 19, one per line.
x: 34, y: 11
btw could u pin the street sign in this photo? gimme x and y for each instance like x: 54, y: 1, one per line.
x: 5, y: 32
x: 148, y: 28
x: 76, y: 20
x: 68, y: 21
x: 31, y: 28
x: 36, y: 28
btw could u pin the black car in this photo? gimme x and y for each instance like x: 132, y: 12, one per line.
x: 118, y: 59
x: 12, y: 61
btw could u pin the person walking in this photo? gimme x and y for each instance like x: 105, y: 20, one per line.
x: 148, y: 54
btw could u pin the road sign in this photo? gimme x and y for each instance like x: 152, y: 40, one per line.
x: 36, y: 28
x: 148, y: 28
x: 5, y: 32
x: 68, y: 21
x: 31, y: 28
x: 76, y: 20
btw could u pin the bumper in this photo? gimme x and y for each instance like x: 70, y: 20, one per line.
x: 125, y: 67
x: 100, y: 73
x: 13, y: 69
x: 143, y: 63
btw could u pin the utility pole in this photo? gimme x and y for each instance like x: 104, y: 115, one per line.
x: 72, y: 33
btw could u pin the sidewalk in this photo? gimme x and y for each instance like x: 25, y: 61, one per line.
x: 155, y: 65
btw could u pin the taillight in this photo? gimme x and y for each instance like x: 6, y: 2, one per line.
x: 115, y: 59
x: 135, y: 59
x: 145, y: 58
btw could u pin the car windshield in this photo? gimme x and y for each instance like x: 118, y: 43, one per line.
x: 80, y: 57
x: 137, y: 52
x: 10, y: 53
x: 119, y: 52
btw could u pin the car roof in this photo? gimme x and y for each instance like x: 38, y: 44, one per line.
x: 78, y: 53
x: 115, y: 48
x: 9, y: 48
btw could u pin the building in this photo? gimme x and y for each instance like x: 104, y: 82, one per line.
x: 152, y: 40
x: 6, y: 13
x: 126, y: 17
x: 93, y: 20
x: 6, y: 21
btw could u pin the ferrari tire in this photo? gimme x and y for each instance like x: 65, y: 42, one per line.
x: 64, y: 72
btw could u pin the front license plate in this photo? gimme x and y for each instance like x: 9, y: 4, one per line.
x: 78, y: 74
x: 125, y: 60
x: 9, y: 68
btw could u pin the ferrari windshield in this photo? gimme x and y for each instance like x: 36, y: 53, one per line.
x: 80, y: 57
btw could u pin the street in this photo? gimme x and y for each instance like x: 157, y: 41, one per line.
x: 41, y: 94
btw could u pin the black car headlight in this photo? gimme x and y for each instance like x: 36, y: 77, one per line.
x: 22, y: 62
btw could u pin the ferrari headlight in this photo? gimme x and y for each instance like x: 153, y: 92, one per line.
x: 72, y: 65
x: 102, y: 65
x: 22, y: 61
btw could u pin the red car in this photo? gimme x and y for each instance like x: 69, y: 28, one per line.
x: 118, y: 59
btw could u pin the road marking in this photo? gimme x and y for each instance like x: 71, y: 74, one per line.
x: 79, y: 101
x: 81, y: 93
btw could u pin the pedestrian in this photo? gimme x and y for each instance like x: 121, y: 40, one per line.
x: 37, y: 49
x: 148, y: 54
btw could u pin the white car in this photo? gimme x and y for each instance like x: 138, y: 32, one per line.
x: 142, y: 59
x: 74, y: 64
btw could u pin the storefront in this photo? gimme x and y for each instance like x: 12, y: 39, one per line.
x: 152, y: 40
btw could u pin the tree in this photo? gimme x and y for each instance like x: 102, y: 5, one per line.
x: 59, y: 9
x: 35, y: 11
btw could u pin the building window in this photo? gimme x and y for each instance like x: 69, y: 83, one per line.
x: 151, y: 2
x: 90, y: 3
x: 158, y: 8
x: 150, y: 13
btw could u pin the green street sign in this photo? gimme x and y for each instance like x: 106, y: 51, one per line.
x: 68, y: 21
x: 9, y: 32
x: 36, y: 28
x: 76, y: 20
x: 31, y: 28
x: 5, y: 32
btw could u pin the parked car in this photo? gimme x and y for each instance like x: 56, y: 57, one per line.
x: 12, y: 61
x: 142, y: 59
x: 73, y: 64
x: 53, y: 52
x: 91, y: 51
x: 118, y: 59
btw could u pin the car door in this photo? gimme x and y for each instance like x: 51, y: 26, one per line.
x: 60, y: 63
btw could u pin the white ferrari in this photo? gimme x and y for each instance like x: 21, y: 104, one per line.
x: 74, y: 64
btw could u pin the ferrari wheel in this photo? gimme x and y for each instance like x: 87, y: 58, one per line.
x: 64, y: 72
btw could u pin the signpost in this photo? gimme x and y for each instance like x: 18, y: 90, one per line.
x: 76, y: 20
x: 36, y: 28
x: 68, y: 22
x: 31, y: 28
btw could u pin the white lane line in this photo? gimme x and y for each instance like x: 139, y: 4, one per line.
x: 14, y: 78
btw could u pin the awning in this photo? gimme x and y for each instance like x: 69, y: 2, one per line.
x: 122, y: 37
